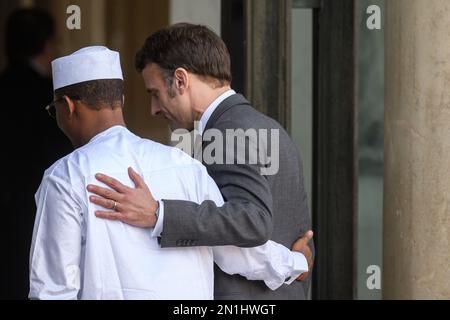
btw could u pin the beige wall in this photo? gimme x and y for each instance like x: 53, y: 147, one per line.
x: 132, y: 22
x: 206, y: 12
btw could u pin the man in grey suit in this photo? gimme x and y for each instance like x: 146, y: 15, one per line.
x: 186, y: 69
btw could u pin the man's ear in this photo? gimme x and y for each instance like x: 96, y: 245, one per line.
x: 70, y: 105
x: 123, y: 100
x: 181, y: 79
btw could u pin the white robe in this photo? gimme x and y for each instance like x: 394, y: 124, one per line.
x: 75, y: 255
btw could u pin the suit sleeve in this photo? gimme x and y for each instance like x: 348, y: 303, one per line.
x: 56, y: 246
x: 245, y: 220
x: 271, y: 262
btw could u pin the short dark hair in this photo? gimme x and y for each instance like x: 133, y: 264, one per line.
x: 193, y: 47
x: 27, y: 32
x: 96, y: 94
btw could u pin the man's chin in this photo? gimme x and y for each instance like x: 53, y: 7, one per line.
x: 176, y: 126
x: 173, y: 127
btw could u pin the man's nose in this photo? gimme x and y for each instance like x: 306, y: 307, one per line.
x: 155, y: 109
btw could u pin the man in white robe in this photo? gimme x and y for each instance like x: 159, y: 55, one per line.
x: 75, y: 255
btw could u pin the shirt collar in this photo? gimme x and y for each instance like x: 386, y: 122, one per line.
x: 111, y: 130
x: 212, y: 107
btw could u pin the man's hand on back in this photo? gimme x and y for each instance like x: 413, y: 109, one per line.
x: 133, y: 206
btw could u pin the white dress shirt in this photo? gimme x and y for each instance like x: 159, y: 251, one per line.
x: 212, y: 107
x: 75, y: 255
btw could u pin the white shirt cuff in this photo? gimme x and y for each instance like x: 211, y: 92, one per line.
x: 157, y: 231
x: 300, y: 265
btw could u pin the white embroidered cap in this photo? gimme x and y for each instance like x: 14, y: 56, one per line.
x: 87, y: 64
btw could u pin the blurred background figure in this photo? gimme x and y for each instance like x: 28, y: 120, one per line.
x: 31, y: 139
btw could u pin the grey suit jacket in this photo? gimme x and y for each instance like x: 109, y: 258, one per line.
x: 257, y: 208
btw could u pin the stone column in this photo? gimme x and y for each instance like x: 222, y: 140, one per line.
x: 417, y: 150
